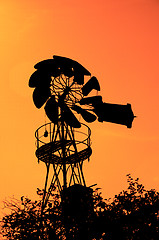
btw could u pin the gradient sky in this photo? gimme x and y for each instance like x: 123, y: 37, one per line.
x: 118, y: 42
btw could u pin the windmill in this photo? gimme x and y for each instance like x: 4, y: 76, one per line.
x: 64, y: 143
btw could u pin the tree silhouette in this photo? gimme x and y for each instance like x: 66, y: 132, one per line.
x: 132, y: 214
x: 25, y: 221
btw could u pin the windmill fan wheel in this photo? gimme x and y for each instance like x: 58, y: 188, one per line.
x: 59, y: 84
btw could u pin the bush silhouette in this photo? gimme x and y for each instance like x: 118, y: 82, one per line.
x: 132, y: 214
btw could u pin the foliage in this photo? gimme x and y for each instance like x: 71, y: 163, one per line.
x: 25, y: 221
x: 132, y: 214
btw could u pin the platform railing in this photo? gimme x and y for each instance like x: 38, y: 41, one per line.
x: 45, y: 132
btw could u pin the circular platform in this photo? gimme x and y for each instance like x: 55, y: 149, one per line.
x: 52, y: 149
x: 46, y: 154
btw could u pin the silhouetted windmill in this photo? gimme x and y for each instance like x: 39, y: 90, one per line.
x: 64, y: 143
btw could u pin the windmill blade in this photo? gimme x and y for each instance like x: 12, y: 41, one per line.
x: 46, y: 64
x: 69, y: 72
x: 78, y: 68
x: 51, y: 109
x: 115, y: 113
x: 79, y: 78
x: 68, y: 116
x: 90, y: 85
x: 91, y: 100
x: 40, y: 79
x: 33, y: 81
x: 87, y: 116
x: 65, y: 64
x: 40, y: 96
x: 49, y: 66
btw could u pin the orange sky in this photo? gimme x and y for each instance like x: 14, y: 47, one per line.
x: 117, y: 41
